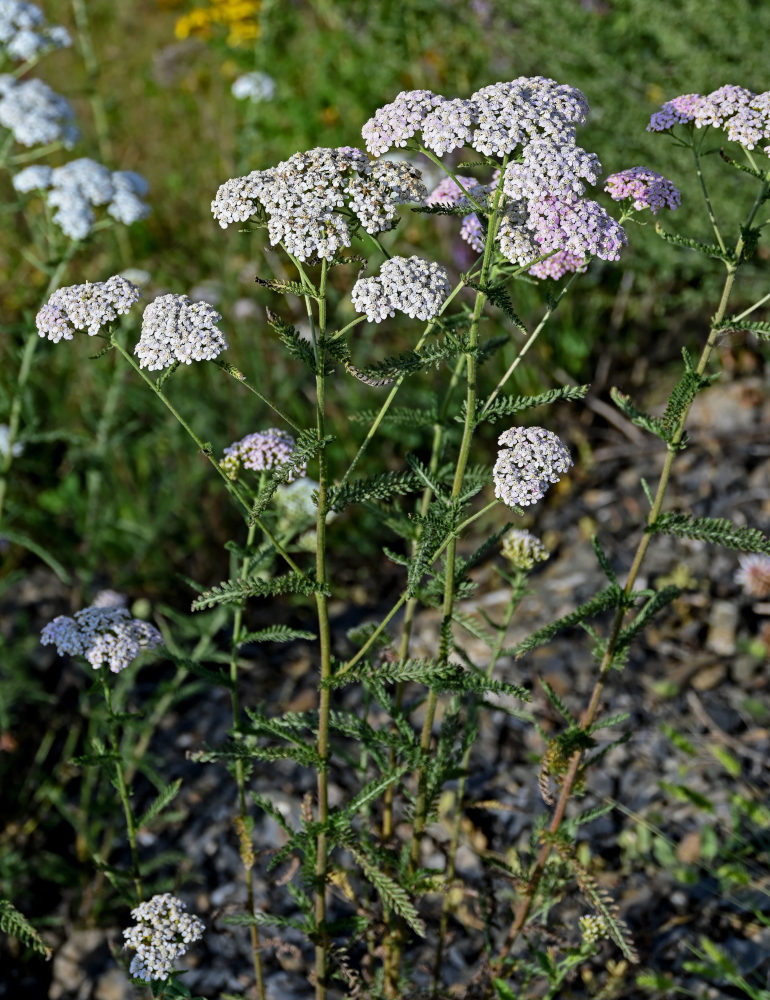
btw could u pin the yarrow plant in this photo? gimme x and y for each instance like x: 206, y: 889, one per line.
x: 163, y: 932
x: 24, y: 34
x: 104, y: 636
x: 360, y: 868
x: 85, y: 308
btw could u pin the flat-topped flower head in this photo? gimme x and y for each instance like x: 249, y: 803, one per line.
x: 552, y: 166
x: 396, y: 123
x: 24, y: 33
x: 86, y: 307
x: 531, y: 458
x: 754, y: 575
x: 522, y: 549
x: 35, y: 114
x: 174, y: 328
x: 260, y: 452
x: 74, y: 189
x: 579, y: 226
x: 678, y: 111
x: 103, y: 635
x: 645, y: 188
x: 307, y: 199
x: 410, y: 285
x: 449, y: 126
x: 715, y: 108
x: 163, y: 932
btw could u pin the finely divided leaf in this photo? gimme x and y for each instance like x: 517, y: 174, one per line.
x: 711, y: 529
x: 234, y: 591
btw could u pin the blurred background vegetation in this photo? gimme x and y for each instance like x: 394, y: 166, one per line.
x: 151, y: 83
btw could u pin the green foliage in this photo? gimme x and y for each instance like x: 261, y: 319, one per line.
x: 399, y: 415
x: 297, y: 346
x: 16, y: 924
x: 276, y: 633
x: 235, y: 591
x: 380, y: 487
x: 609, y: 597
x: 707, y: 249
x: 506, y: 406
x: 717, y: 530
x: 759, y: 329
x: 164, y: 797
x: 398, y: 366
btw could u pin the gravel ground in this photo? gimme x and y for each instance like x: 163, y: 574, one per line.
x: 700, y: 671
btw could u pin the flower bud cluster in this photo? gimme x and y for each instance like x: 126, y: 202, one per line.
x: 261, y: 451
x: 646, y: 189
x: 85, y: 307
x: 593, y: 927
x: 410, y: 285
x: 78, y: 186
x: 174, y: 328
x: 24, y: 35
x: 302, y: 198
x: 742, y: 114
x: 531, y: 459
x: 105, y: 636
x: 522, y: 549
x: 163, y: 932
x: 35, y: 114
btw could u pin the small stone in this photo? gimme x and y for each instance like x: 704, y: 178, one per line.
x: 722, y: 625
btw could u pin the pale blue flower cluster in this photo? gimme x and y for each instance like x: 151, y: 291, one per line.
x: 34, y: 113
x: 74, y: 189
x: 104, y: 636
x: 24, y: 34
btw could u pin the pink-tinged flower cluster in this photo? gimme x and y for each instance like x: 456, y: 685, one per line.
x: 743, y: 115
x: 260, y: 452
x: 558, y: 265
x: 448, y: 192
x: 105, y: 636
x: 580, y: 226
x: 754, y: 575
x: 532, y: 458
x: 645, y: 188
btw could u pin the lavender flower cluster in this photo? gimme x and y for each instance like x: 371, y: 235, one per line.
x: 174, y: 328
x: 304, y: 195
x: 34, y: 113
x: 261, y: 451
x: 535, y: 119
x: 163, y: 932
x: 449, y: 194
x: 531, y: 459
x: 105, y: 636
x: 24, y: 34
x: 743, y: 115
x: 74, y: 188
x: 410, y: 285
x: 86, y: 307
x: 645, y: 188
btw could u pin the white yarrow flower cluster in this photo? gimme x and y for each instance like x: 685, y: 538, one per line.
x: 302, y: 197
x: 174, y: 328
x: 531, y: 458
x: 410, y: 285
x: 35, y: 114
x: 522, y: 549
x: 24, y: 34
x: 255, y: 87
x: 105, y: 636
x: 86, y: 307
x: 261, y: 451
x: 163, y: 932
x: 74, y: 189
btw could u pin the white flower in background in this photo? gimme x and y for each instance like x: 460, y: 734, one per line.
x: 255, y: 87
x: 5, y: 447
x: 35, y: 114
x: 24, y: 34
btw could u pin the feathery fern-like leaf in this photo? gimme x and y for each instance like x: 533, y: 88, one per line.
x: 276, y: 633
x: 610, y: 597
x: 16, y: 924
x: 398, y: 415
x: 236, y: 590
x: 159, y: 803
x: 718, y: 530
x: 380, y: 487
x: 506, y: 406
x: 296, y: 345
x: 709, y: 249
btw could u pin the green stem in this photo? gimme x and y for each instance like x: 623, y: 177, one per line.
x: 25, y: 369
x: 589, y: 715
x: 238, y: 375
x: 120, y: 782
x: 324, y: 630
x: 244, y: 830
x: 707, y: 199
x: 205, y: 449
x: 450, y: 173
